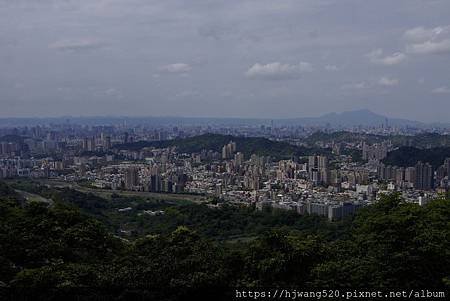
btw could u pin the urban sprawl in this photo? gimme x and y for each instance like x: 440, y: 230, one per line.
x: 333, y: 185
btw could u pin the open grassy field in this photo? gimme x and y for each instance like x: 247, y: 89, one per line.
x: 31, y: 197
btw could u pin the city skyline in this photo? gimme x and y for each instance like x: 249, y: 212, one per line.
x: 343, y: 120
x: 237, y: 59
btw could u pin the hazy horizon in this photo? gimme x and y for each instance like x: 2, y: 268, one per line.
x: 202, y: 117
x: 237, y: 59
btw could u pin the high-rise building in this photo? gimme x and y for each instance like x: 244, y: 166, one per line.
x: 89, y: 144
x: 322, y: 162
x: 232, y: 146
x: 335, y: 178
x: 318, y: 170
x: 440, y: 175
x: 399, y: 176
x: 424, y: 176
x: 239, y: 158
x: 317, y: 208
x: 228, y: 150
x: 447, y: 167
x: 325, y: 176
x: 381, y: 171
x: 131, y: 178
x: 410, y: 176
x: 334, y: 212
x: 375, y: 152
x: 107, y: 143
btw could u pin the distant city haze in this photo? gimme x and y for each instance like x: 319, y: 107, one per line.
x: 246, y: 58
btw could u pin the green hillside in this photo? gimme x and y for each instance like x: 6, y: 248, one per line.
x: 409, y: 156
x: 62, y: 250
x: 215, y: 142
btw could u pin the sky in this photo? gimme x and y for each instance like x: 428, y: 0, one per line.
x: 211, y: 58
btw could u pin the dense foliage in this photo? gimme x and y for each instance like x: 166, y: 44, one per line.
x: 226, y: 223
x: 409, y: 156
x: 215, y: 142
x: 58, y: 247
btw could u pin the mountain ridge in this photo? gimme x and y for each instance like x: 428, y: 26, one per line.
x: 360, y: 117
x: 363, y: 117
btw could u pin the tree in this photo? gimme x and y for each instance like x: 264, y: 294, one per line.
x: 392, y: 244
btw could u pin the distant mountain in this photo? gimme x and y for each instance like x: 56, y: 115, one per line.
x: 340, y: 120
x: 354, y: 118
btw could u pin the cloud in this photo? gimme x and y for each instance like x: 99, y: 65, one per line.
x: 355, y: 86
x: 331, y: 68
x: 421, y: 34
x: 112, y: 92
x: 371, y: 84
x: 278, y: 71
x: 428, y: 40
x: 388, y: 82
x: 108, y: 93
x: 77, y: 44
x: 376, y: 57
x: 187, y: 93
x: 176, y: 68
x: 430, y: 47
x: 441, y: 90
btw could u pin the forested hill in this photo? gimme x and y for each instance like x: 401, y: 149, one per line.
x: 56, y: 250
x: 409, y: 156
x: 215, y: 142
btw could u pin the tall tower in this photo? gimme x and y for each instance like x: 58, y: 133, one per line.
x: 131, y: 178
x: 424, y: 176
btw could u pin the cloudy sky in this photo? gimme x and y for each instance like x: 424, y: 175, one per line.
x: 246, y: 58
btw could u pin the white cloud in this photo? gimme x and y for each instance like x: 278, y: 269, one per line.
x: 278, y: 71
x: 371, y: 84
x: 421, y: 34
x: 331, y: 68
x: 393, y: 59
x: 176, y: 68
x: 428, y: 40
x: 441, y: 90
x: 377, y: 57
x: 114, y: 93
x: 77, y: 44
x: 388, y: 82
x: 430, y: 47
x: 355, y: 86
x: 187, y: 93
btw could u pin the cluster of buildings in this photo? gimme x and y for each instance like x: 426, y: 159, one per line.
x: 8, y: 149
x: 376, y: 152
x: 421, y: 176
x: 333, y: 185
